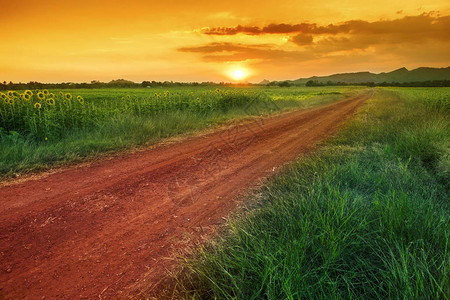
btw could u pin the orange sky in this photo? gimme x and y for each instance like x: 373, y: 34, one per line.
x: 182, y: 40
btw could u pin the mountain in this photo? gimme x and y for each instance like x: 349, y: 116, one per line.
x: 400, y: 75
x: 264, y: 82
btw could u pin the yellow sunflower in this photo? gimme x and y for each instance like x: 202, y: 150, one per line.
x: 41, y: 95
x: 51, y: 101
x: 37, y: 105
x: 80, y: 99
x: 68, y: 96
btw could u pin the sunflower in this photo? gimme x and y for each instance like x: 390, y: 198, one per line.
x: 128, y: 97
x: 15, y: 94
x: 50, y: 101
x: 37, y: 105
x: 45, y: 92
x: 3, y: 96
x: 51, y: 95
x: 11, y: 101
x: 10, y: 94
x: 41, y: 95
x: 26, y: 97
x: 28, y: 92
x: 68, y: 96
x: 61, y: 94
x: 80, y: 99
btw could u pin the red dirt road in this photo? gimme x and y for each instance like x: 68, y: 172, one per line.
x: 106, y: 230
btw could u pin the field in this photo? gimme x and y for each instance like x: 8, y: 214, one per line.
x: 366, y: 217
x: 363, y: 216
x: 118, y: 220
x: 42, y: 129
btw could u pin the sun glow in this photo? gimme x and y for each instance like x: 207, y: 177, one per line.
x: 238, y: 74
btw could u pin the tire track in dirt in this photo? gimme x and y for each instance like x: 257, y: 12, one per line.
x: 107, y: 230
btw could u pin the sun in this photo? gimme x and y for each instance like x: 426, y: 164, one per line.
x: 238, y: 74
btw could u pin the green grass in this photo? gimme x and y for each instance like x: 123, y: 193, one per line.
x: 37, y: 139
x: 366, y: 217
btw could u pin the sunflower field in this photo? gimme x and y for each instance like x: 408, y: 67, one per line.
x: 41, y: 128
x: 41, y: 114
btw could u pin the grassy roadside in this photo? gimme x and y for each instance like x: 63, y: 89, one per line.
x: 20, y: 154
x: 367, y: 217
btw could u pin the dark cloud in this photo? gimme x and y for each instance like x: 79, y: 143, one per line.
x: 255, y: 30
x: 361, y: 34
x: 241, y: 52
x: 426, y: 35
x: 302, y: 39
x: 422, y: 25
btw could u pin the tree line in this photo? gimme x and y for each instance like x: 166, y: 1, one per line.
x: 95, y: 84
x: 429, y: 83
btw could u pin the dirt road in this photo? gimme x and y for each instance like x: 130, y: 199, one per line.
x: 107, y: 229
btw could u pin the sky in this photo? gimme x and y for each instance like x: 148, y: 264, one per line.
x: 184, y: 40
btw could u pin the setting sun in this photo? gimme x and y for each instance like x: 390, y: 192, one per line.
x: 238, y: 74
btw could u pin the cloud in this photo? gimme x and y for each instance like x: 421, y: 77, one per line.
x: 411, y: 41
x: 302, y: 39
x: 255, y: 30
x: 428, y: 25
x: 362, y: 35
x: 232, y: 52
x: 223, y: 47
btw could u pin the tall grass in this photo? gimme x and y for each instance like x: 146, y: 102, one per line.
x: 367, y: 217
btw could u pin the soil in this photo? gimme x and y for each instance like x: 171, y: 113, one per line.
x: 113, y: 228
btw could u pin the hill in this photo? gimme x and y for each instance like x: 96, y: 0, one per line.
x: 401, y: 75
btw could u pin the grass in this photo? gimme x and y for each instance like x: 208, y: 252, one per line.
x: 366, y: 217
x: 38, y: 139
